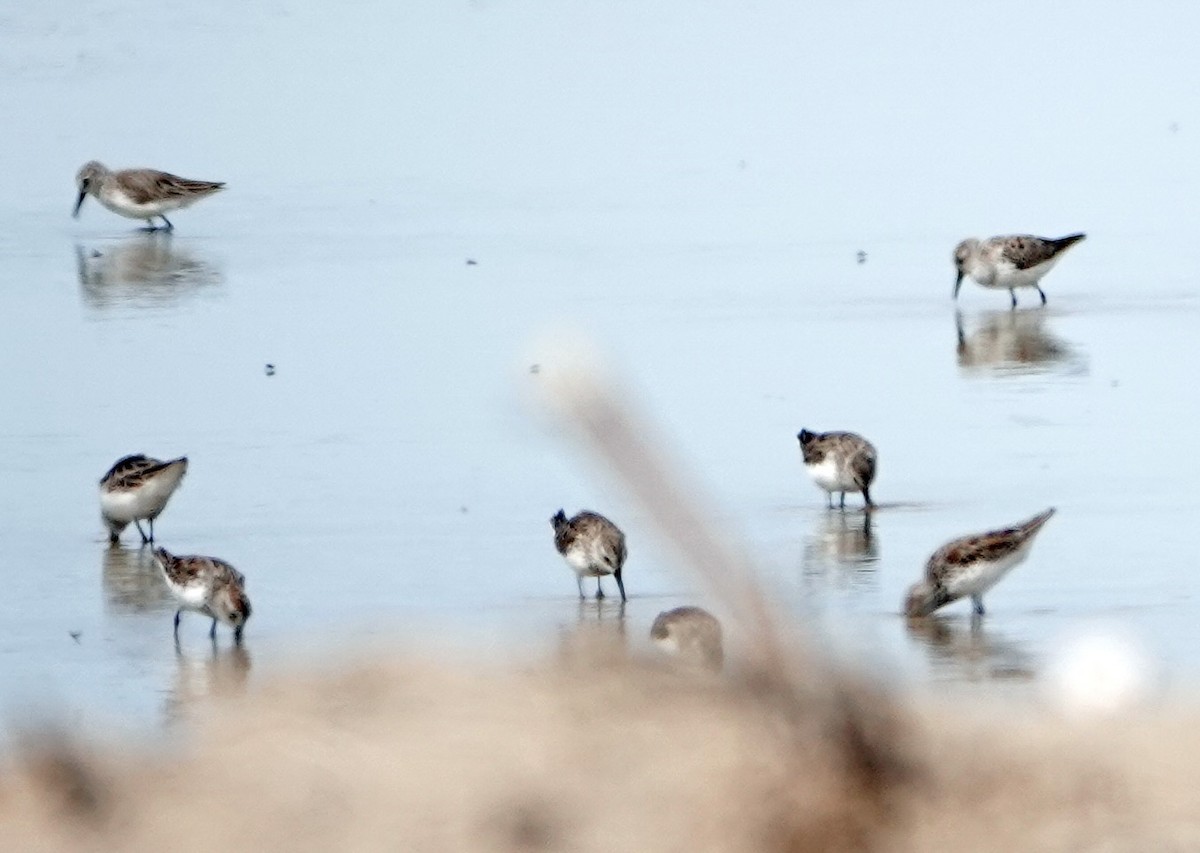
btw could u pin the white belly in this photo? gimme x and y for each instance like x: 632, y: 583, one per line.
x: 192, y: 597
x: 829, y: 476
x: 586, y: 562
x: 146, y: 501
x: 979, y: 577
x: 122, y: 507
x: 119, y: 202
x: 1005, y: 276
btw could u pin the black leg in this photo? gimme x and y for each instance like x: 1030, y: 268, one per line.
x: 212, y: 632
x: 620, y: 585
x: 842, y: 505
x: 978, y: 602
x: 1040, y: 293
x: 177, y: 612
x: 138, y: 524
x: 867, y: 498
x: 1013, y: 294
x: 152, y: 530
x: 599, y: 589
x: 237, y: 634
x: 829, y: 495
x: 170, y: 227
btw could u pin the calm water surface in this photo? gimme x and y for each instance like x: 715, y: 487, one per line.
x: 689, y: 188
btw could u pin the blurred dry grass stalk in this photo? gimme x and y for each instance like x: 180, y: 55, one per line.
x: 595, y: 752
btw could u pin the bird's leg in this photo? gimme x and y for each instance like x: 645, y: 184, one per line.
x: 978, y: 602
x: 212, y: 632
x: 867, y: 497
x: 170, y: 227
x: 151, y: 529
x: 1013, y: 294
x: 829, y: 499
x: 842, y: 505
x: 177, y: 613
x: 138, y: 524
x: 1040, y: 293
x: 599, y: 589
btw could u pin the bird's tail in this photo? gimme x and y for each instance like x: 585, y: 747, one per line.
x: 1035, y: 524
x: 1068, y: 241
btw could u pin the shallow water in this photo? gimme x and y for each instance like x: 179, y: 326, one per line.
x: 688, y: 188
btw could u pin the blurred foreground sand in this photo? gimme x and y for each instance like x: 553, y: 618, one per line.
x: 594, y: 752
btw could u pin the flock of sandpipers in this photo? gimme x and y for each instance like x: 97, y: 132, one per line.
x: 138, y: 487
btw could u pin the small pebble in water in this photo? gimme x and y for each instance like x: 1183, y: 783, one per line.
x: 270, y: 370
x: 862, y: 256
x: 75, y: 635
x: 471, y: 262
x: 535, y: 368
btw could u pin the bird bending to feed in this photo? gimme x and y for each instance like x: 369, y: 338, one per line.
x: 138, y: 487
x: 691, y: 633
x: 839, y: 462
x: 592, y: 545
x: 1006, y: 263
x: 140, y: 193
x: 972, y: 565
x: 209, y: 586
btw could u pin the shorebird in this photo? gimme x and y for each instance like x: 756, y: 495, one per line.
x: 138, y: 487
x: 691, y: 633
x: 972, y: 565
x: 209, y: 586
x: 1006, y: 263
x: 592, y: 545
x: 839, y: 462
x: 140, y: 193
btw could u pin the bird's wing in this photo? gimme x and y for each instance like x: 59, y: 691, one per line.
x: 148, y: 185
x: 1024, y: 250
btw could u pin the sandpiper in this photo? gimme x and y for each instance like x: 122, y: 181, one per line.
x: 138, y: 487
x: 140, y: 193
x: 1009, y: 262
x: 691, y: 633
x: 839, y: 462
x: 592, y: 545
x: 209, y: 586
x: 972, y: 565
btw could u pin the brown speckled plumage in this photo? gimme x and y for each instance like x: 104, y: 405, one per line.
x: 693, y: 634
x: 207, y: 585
x: 136, y: 488
x: 1009, y: 262
x: 970, y: 565
x: 854, y: 457
x: 1025, y: 251
x: 134, y: 470
x: 592, y: 545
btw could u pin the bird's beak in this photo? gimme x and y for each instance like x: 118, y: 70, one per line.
x: 957, y: 281
x: 79, y: 203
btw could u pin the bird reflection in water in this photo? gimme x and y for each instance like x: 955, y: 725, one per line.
x: 1014, y: 342
x: 843, y: 546
x: 133, y: 583
x: 965, y: 650
x: 145, y: 269
x: 207, y: 672
x: 598, y: 633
